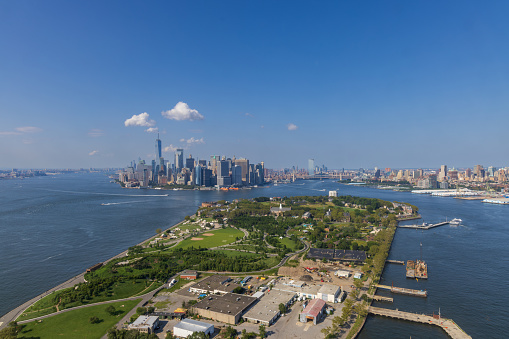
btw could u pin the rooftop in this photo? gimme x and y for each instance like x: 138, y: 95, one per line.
x: 314, y: 307
x: 193, y: 325
x: 216, y: 283
x: 145, y: 321
x: 268, y: 306
x: 229, y: 303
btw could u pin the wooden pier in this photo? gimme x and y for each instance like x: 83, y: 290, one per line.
x: 380, y: 298
x: 406, y: 291
x: 424, y: 226
x: 448, y: 325
x: 400, y: 262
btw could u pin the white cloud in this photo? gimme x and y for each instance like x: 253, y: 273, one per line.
x: 152, y: 130
x: 10, y: 133
x: 170, y: 148
x: 28, y: 129
x: 291, y: 127
x: 248, y: 115
x: 94, y: 133
x: 192, y: 140
x: 93, y: 153
x: 141, y: 119
x: 181, y: 112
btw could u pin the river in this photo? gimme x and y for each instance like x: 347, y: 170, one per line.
x: 52, y: 228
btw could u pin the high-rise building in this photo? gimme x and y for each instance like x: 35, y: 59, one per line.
x: 190, y: 163
x: 198, y: 177
x: 244, y: 164
x: 311, y: 166
x: 237, y: 175
x: 443, y: 173
x: 213, y: 163
x: 158, y: 147
x: 179, y: 159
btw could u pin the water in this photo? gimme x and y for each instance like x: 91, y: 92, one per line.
x: 52, y: 228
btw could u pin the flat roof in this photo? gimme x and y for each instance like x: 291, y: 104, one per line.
x: 193, y: 325
x: 189, y: 272
x: 306, y: 289
x: 333, y: 254
x: 229, y: 303
x: 314, y: 307
x: 144, y: 321
x: 329, y: 289
x: 216, y: 282
x: 268, y: 306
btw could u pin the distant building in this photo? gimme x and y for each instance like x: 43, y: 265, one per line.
x: 333, y: 193
x: 179, y: 159
x: 145, y: 324
x: 311, y: 166
x: 279, y: 210
x: 189, y: 275
x: 214, y: 284
x: 266, y: 311
x: 337, y: 255
x: 227, y: 308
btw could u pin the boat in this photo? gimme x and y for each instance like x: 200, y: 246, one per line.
x: 455, y: 222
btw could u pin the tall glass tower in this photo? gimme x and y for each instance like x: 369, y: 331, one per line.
x: 311, y: 166
x: 158, y: 148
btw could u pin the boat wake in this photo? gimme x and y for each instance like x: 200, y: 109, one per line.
x: 53, y: 256
x: 113, y: 194
x: 120, y: 203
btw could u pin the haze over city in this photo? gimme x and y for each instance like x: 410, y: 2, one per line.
x: 399, y: 84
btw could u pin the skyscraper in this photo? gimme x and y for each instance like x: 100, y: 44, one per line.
x: 311, y: 166
x: 179, y: 159
x: 158, y: 147
x: 244, y: 164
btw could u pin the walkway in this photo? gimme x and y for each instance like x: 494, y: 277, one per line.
x: 448, y: 325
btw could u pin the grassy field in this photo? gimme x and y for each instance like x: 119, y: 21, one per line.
x: 220, y: 237
x: 288, y: 243
x: 120, y: 290
x: 76, y: 324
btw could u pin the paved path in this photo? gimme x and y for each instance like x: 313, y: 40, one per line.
x: 449, y: 326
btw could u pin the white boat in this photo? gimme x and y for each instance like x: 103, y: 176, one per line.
x: 455, y: 222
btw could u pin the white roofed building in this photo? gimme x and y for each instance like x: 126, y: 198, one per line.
x: 187, y: 327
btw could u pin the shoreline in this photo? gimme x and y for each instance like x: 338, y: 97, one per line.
x: 13, y: 314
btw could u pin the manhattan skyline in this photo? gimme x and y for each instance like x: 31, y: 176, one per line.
x: 401, y: 85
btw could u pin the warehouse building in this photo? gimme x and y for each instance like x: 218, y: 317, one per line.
x: 189, y: 275
x: 326, y: 292
x: 313, y: 311
x: 187, y: 327
x: 226, y: 308
x: 348, y: 256
x: 145, y: 324
x: 329, y: 293
x: 266, y: 311
x: 217, y: 284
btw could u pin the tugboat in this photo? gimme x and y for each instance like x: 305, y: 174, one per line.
x: 455, y: 222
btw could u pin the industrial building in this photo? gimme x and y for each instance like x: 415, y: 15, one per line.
x: 326, y: 292
x: 187, y: 327
x: 226, y: 308
x: 266, y: 311
x: 145, y: 324
x: 313, y: 311
x: 217, y: 284
x: 342, y: 274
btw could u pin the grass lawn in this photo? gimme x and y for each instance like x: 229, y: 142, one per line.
x: 288, y: 243
x: 120, y: 290
x: 220, y: 237
x: 76, y: 324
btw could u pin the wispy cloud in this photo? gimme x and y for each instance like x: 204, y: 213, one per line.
x: 94, y: 133
x: 170, y: 148
x: 152, y: 130
x: 249, y: 115
x: 141, y: 119
x: 93, y: 153
x: 291, y: 127
x: 182, y: 112
x: 22, y: 130
x: 192, y: 140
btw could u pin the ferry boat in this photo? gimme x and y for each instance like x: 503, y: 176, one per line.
x: 455, y: 222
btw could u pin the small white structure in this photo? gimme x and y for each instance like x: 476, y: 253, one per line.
x: 342, y: 274
x: 144, y: 324
x: 357, y: 275
x: 333, y: 193
x: 187, y: 327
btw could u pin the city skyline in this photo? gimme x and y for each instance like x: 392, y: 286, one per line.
x: 409, y: 85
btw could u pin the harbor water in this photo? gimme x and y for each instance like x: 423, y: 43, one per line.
x: 52, y: 228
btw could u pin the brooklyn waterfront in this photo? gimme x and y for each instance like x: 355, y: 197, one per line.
x: 53, y: 228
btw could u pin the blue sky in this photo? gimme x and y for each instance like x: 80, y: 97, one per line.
x: 350, y: 84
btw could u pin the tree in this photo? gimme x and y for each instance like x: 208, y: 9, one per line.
x: 282, y: 308
x: 111, y: 310
x: 230, y: 333
x: 169, y: 335
x: 94, y: 320
x: 141, y: 310
x: 151, y: 309
x: 198, y: 335
x: 10, y: 332
x: 263, y: 332
x: 159, y: 231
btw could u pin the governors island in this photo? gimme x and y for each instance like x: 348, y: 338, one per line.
x: 279, y: 267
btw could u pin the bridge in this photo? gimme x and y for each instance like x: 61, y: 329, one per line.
x: 448, y: 325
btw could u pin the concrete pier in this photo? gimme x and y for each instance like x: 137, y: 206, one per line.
x: 406, y: 291
x: 448, y: 325
x: 424, y: 226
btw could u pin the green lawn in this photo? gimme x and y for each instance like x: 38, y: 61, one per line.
x: 288, y: 243
x: 76, y: 324
x: 120, y: 290
x: 220, y: 237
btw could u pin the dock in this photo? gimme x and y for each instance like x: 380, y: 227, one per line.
x: 424, y: 226
x: 405, y: 291
x: 381, y: 298
x: 448, y: 325
x: 400, y: 262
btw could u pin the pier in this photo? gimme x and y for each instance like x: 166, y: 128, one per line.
x: 399, y: 262
x: 406, y: 291
x: 380, y: 298
x: 424, y: 226
x: 448, y: 325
